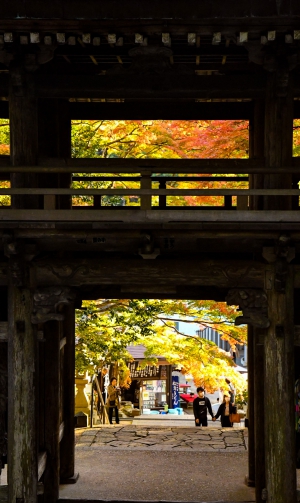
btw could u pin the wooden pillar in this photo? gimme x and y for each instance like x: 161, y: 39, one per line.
x: 54, y: 140
x: 257, y: 149
x: 259, y: 418
x: 23, y: 135
x: 278, y: 136
x: 67, y: 446
x: 22, y: 436
x: 52, y: 410
x: 279, y: 392
x: 250, y: 479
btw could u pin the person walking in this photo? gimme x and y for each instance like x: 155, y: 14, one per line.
x: 231, y: 390
x: 113, y: 400
x: 226, y: 408
x: 200, y: 406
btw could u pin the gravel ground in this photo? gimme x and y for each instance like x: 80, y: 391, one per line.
x: 166, y: 475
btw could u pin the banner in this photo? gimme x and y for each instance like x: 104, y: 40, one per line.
x: 175, y: 392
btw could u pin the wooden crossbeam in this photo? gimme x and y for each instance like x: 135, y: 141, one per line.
x: 168, y: 87
x: 196, y: 166
x: 153, y: 192
x: 153, y: 216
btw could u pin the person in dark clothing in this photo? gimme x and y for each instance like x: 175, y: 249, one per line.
x: 200, y: 406
x: 226, y: 408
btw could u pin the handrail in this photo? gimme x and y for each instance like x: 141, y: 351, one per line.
x: 42, y: 461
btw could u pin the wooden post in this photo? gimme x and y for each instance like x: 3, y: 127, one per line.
x: 162, y: 200
x: 279, y: 392
x: 23, y: 135
x: 256, y: 149
x: 67, y: 446
x: 52, y: 410
x: 22, y: 435
x: 278, y: 136
x: 259, y: 418
x: 54, y: 140
x: 146, y: 183
x: 250, y: 479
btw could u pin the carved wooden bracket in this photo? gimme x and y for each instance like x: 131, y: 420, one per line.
x: 47, y: 303
x: 254, y: 304
x: 280, y: 255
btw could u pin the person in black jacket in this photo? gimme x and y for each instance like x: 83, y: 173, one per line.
x: 200, y: 406
x: 226, y: 408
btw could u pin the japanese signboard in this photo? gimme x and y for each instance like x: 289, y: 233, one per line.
x: 148, y: 372
x: 175, y: 392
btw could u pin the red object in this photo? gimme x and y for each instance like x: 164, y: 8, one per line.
x: 184, y: 385
x: 187, y: 398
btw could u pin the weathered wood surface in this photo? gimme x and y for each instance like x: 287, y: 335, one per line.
x: 23, y: 135
x: 183, y: 166
x: 55, y: 141
x: 22, y: 431
x: 152, y: 110
x: 52, y: 409
x: 168, y: 110
x: 259, y: 415
x: 67, y: 445
x: 135, y: 10
x: 166, y: 86
x: 250, y: 479
x: 137, y: 271
x: 111, y: 165
x: 152, y: 217
x: 257, y: 149
x: 279, y: 393
x: 278, y: 136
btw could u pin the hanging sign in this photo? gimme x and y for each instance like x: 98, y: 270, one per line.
x: 175, y: 392
x: 154, y: 372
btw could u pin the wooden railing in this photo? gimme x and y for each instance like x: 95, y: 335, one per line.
x: 153, y: 181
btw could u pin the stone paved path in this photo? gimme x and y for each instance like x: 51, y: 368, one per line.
x: 163, y: 438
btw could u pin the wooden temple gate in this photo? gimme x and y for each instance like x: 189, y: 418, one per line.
x: 145, y: 60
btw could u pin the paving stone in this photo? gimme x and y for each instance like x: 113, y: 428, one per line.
x: 232, y: 440
x: 88, y: 433
x: 160, y: 432
x: 85, y: 440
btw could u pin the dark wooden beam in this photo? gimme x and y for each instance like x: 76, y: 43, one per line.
x: 138, y: 272
x: 157, y: 110
x: 166, y: 86
x: 153, y: 217
x: 68, y: 10
x: 191, y: 166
